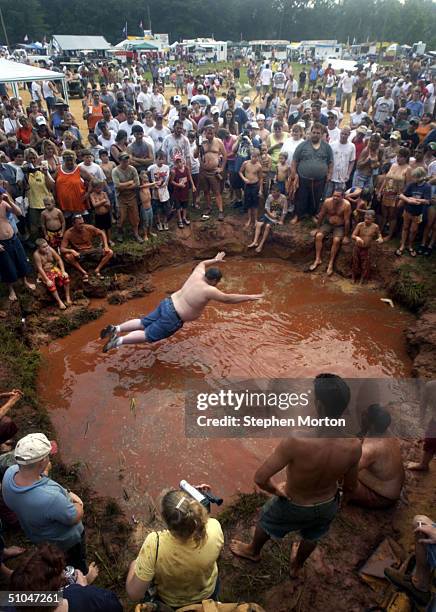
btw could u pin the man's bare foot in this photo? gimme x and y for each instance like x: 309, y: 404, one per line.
x: 387, y: 238
x: 13, y: 551
x: 29, y: 285
x: 69, y: 302
x: 259, y: 249
x: 62, y: 306
x: 12, y: 295
x: 92, y: 573
x: 145, y: 238
x: 294, y: 221
x: 252, y: 244
x: 247, y: 225
x: 294, y: 569
x: 417, y: 467
x: 330, y: 270
x: 240, y: 549
x: 315, y: 264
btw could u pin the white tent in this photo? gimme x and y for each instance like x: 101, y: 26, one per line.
x: 16, y: 72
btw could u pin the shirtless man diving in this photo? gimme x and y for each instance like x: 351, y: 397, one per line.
x: 213, y: 158
x: 338, y: 212
x: 308, y: 500
x: 184, y: 305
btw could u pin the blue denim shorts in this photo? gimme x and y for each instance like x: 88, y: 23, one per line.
x: 163, y: 322
x: 280, y: 516
x: 146, y: 217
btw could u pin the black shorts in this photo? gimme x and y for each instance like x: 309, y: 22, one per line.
x: 103, y: 222
x: 235, y: 181
x: 180, y: 205
x: 251, y: 195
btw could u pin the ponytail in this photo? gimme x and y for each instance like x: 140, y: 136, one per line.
x: 185, y: 517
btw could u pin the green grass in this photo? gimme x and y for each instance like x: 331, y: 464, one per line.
x: 20, y: 361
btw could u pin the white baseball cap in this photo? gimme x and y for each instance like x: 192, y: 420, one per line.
x: 246, y: 100
x: 260, y: 117
x: 34, y: 447
x: 177, y: 98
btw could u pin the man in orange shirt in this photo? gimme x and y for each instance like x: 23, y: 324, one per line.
x: 93, y: 112
x: 77, y: 244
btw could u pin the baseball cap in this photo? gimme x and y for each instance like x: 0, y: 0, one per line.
x: 177, y: 98
x: 395, y: 135
x: 332, y: 113
x: 40, y: 120
x: 254, y: 125
x: 362, y: 129
x: 214, y: 110
x: 260, y: 117
x: 34, y: 447
x: 124, y: 156
x: 137, y: 129
x: 158, y: 116
x: 246, y: 100
x: 414, y: 120
x: 60, y: 102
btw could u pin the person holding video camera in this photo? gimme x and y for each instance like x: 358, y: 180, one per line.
x: 178, y: 566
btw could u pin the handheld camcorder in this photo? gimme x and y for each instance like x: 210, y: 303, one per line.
x: 205, y: 498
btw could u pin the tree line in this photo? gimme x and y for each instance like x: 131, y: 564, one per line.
x: 403, y: 21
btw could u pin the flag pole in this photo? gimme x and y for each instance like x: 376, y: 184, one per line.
x: 4, y: 29
x: 149, y: 18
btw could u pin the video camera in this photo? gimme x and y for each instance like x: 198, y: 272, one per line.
x: 205, y: 498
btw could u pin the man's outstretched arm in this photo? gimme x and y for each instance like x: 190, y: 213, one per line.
x: 232, y: 298
x: 219, y: 257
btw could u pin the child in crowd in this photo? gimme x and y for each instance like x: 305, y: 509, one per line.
x: 160, y: 175
x: 52, y: 223
x: 276, y: 207
x: 195, y: 167
x: 283, y: 172
x: 266, y: 161
x: 251, y: 174
x: 101, y: 206
x: 51, y: 271
x: 360, y: 200
x: 146, y: 212
x: 364, y: 234
x: 182, y: 183
x: 107, y: 166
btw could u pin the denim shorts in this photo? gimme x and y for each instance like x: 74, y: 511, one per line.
x: 280, y: 516
x: 163, y: 322
x: 146, y: 217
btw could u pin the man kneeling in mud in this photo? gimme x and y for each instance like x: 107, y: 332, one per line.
x: 308, y: 500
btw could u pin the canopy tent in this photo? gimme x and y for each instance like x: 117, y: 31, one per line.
x: 136, y: 45
x: 16, y: 72
x: 66, y: 42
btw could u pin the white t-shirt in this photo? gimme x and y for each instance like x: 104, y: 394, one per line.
x: 279, y: 80
x: 357, y: 118
x: 94, y: 170
x: 343, y: 154
x: 127, y: 127
x: 158, y: 136
x: 35, y: 90
x: 384, y: 107
x: 47, y: 92
x: 144, y: 101
x: 158, y: 102
x: 107, y: 142
x: 347, y: 84
x: 289, y: 147
x: 266, y: 77
x: 334, y: 134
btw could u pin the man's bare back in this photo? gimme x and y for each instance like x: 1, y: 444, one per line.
x: 381, y: 466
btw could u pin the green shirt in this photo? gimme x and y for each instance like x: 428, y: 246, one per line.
x: 313, y: 163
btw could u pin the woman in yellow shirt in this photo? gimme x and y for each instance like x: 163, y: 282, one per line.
x: 180, y: 561
x: 38, y: 186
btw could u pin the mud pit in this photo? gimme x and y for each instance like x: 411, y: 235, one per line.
x: 302, y: 327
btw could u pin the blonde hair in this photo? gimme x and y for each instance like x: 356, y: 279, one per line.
x: 185, y: 517
x: 28, y: 152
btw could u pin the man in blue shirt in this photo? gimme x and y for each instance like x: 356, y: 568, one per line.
x: 415, y: 106
x: 45, y: 510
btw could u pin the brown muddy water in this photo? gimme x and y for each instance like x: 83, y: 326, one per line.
x: 304, y: 325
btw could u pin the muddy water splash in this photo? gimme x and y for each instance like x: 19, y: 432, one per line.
x: 121, y: 414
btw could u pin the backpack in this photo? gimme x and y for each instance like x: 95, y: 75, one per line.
x: 208, y: 605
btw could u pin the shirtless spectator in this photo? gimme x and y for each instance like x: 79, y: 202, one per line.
x: 276, y: 207
x: 213, y: 159
x: 186, y: 304
x: 52, y: 223
x: 308, y: 500
x: 428, y: 399
x: 381, y: 473
x: 251, y: 174
x: 364, y: 234
x: 8, y: 429
x: 77, y: 244
x: 338, y: 212
x: 51, y: 271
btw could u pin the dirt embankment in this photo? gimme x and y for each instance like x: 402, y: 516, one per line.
x: 331, y: 579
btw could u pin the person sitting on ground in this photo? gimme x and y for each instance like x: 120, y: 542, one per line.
x: 46, y: 511
x: 77, y: 244
x: 365, y: 233
x: 43, y: 569
x: 186, y: 304
x: 181, y: 561
x: 428, y: 399
x: 381, y: 472
x: 7, y: 553
x: 416, y: 197
x: 51, y: 271
x: 52, y: 223
x: 8, y: 428
x: 276, y: 207
x: 338, y: 212
x: 308, y: 500
x: 251, y: 174
x: 417, y: 585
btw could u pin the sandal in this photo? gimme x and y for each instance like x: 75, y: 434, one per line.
x: 412, y: 252
x: 399, y: 252
x: 180, y: 224
x: 100, y: 276
x: 186, y: 222
x: 85, y: 278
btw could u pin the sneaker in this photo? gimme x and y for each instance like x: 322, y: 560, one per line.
x: 404, y: 583
x: 159, y: 227
x: 165, y: 226
x: 139, y: 239
x: 112, y: 343
x: 186, y: 222
x: 220, y: 216
x: 109, y: 330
